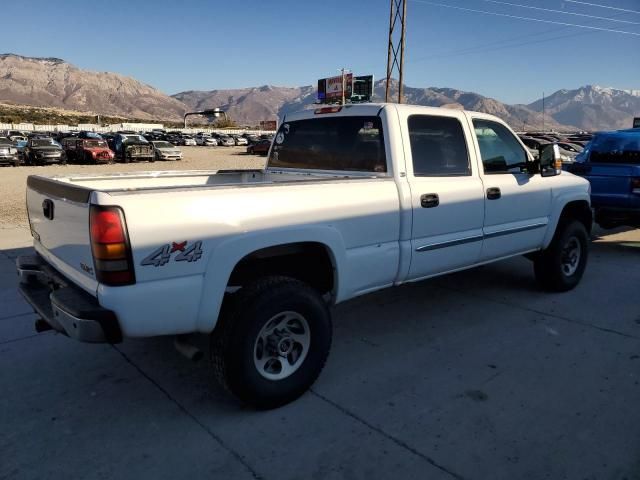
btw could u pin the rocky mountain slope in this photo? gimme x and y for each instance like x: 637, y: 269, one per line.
x: 263, y: 103
x: 592, y: 107
x: 51, y: 82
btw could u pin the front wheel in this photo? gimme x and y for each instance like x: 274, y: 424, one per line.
x: 560, y: 267
x: 272, y: 341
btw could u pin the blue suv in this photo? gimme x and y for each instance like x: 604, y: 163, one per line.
x: 611, y: 163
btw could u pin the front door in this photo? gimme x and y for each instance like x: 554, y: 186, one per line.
x: 518, y: 204
x: 447, y: 194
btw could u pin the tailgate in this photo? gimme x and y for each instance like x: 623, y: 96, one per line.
x: 610, y: 183
x: 59, y: 221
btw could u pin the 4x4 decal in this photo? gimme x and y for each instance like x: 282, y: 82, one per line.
x: 162, y: 255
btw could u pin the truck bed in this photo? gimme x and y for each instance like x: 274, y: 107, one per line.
x: 79, y: 187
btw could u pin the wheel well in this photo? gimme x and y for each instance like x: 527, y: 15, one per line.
x: 578, y: 210
x: 309, y: 262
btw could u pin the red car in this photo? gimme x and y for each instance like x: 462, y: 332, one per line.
x: 87, y: 150
x: 260, y: 148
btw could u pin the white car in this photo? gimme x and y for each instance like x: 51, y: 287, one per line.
x: 240, y: 140
x: 226, y: 141
x: 352, y: 200
x: 188, y: 141
x: 205, y: 139
x: 166, y: 151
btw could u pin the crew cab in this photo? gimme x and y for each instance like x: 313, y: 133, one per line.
x: 87, y: 150
x: 353, y: 199
x: 611, y: 163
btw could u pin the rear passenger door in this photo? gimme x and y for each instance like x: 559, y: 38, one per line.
x: 518, y: 204
x: 446, y: 193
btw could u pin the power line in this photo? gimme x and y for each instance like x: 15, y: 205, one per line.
x: 604, y: 6
x: 483, y: 48
x: 517, y: 17
x: 561, y: 12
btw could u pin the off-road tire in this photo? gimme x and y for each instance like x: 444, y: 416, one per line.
x: 234, y: 339
x: 548, y: 264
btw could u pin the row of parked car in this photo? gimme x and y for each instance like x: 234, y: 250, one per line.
x: 17, y: 148
x: 205, y: 139
x: 83, y: 147
x: 570, y: 145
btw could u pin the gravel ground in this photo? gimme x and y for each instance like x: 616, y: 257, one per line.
x: 13, y: 180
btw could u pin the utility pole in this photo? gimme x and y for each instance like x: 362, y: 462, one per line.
x: 344, y: 83
x: 397, y: 13
x: 543, y: 112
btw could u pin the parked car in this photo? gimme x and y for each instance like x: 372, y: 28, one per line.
x: 110, y: 138
x: 259, y: 148
x: 9, y: 154
x: 187, y: 140
x: 414, y: 193
x: 568, y: 151
x: 611, y: 163
x: 41, y: 151
x: 90, y: 135
x: 164, y: 150
x: 251, y: 138
x: 21, y: 145
x: 240, y: 141
x: 206, y: 140
x: 172, y: 138
x: 87, y: 150
x: 226, y: 141
x: 18, y: 138
x: 132, y: 148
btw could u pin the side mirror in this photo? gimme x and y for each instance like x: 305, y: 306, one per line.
x: 550, y: 160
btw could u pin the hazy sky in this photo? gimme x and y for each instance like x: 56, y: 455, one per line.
x: 204, y: 45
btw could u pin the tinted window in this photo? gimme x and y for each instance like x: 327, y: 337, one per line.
x: 438, y: 146
x: 613, y: 148
x: 499, y: 149
x: 335, y: 143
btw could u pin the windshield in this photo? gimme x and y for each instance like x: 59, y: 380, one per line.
x: 92, y: 135
x: 95, y: 144
x: 43, y: 142
x: 335, y: 143
x: 134, y: 138
x: 162, y: 145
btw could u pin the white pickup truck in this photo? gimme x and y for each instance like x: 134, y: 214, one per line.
x: 354, y: 199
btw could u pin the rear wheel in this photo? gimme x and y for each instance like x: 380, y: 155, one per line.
x: 560, y: 267
x: 272, y: 341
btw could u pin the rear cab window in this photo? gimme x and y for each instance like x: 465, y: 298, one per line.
x: 438, y: 146
x: 351, y: 143
x: 613, y: 148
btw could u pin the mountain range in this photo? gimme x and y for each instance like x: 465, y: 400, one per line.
x: 51, y: 82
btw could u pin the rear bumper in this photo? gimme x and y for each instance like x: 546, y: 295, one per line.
x: 63, y: 306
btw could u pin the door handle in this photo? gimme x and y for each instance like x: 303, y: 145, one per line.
x: 429, y: 200
x: 493, y: 193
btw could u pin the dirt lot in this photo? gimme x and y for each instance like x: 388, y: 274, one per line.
x: 13, y: 180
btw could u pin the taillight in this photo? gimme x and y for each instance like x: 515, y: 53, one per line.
x: 110, y: 246
x: 635, y: 185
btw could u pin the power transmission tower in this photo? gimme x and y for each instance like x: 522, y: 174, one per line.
x: 397, y: 17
